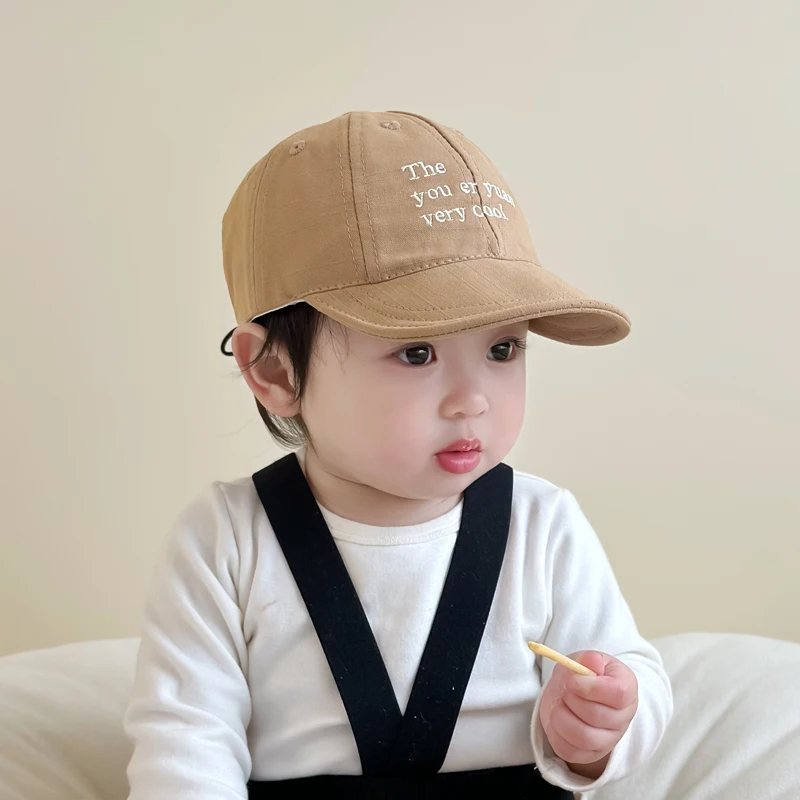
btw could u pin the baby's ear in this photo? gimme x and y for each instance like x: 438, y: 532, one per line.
x: 270, y: 377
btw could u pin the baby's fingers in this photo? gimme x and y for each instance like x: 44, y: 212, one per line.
x: 596, y: 714
x: 607, y: 690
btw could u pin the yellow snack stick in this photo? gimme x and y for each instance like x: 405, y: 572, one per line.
x: 546, y: 652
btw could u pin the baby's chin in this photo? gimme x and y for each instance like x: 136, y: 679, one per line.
x: 433, y: 482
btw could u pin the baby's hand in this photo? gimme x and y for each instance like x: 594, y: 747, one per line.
x: 584, y: 717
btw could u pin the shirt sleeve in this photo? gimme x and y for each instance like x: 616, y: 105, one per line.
x: 589, y: 613
x: 190, y: 706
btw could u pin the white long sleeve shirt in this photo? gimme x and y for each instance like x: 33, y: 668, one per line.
x: 232, y: 682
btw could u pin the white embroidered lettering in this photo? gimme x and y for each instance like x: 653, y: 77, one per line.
x: 432, y: 194
x: 489, y: 211
x: 427, y: 169
x: 497, y: 191
x: 445, y: 215
x: 421, y: 169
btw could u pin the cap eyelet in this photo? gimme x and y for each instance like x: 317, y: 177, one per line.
x: 391, y: 126
x: 297, y: 147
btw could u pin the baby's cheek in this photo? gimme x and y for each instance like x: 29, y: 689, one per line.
x: 402, y: 415
x: 507, y: 423
x: 406, y: 434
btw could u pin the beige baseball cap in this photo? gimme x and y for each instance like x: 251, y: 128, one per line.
x: 398, y: 227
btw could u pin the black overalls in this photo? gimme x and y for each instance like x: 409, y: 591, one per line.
x: 401, y: 754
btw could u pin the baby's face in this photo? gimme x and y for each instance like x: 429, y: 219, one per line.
x: 420, y: 419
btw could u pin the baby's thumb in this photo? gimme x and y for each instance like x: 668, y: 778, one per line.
x: 592, y: 659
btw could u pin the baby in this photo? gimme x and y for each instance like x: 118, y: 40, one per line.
x: 353, y: 620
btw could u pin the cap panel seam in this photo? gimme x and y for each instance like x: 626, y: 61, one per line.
x: 344, y: 196
x: 256, y: 202
x: 350, y: 136
x: 461, y: 159
x: 425, y: 126
x: 369, y: 211
x: 473, y: 166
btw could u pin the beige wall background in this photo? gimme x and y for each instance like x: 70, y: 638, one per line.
x: 653, y: 147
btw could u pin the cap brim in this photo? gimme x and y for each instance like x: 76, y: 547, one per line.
x: 472, y: 295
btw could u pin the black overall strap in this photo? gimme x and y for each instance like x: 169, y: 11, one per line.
x: 390, y: 743
x: 335, y: 610
x: 457, y: 629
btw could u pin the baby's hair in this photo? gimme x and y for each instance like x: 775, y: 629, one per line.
x: 294, y: 329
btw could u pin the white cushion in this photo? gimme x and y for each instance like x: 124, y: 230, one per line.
x: 61, y: 732
x: 735, y: 734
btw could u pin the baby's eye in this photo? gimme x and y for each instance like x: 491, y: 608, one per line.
x: 417, y: 356
x: 502, y: 351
